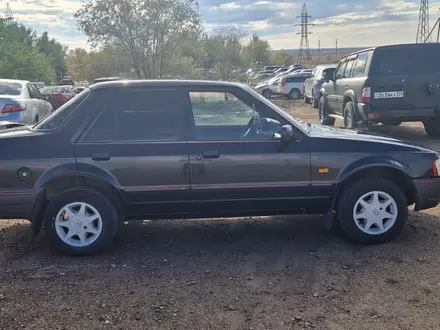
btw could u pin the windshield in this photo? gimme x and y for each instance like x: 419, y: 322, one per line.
x: 51, y: 90
x: 7, y: 88
x: 56, y: 118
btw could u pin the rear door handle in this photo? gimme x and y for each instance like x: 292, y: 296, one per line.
x: 101, y: 156
x: 211, y: 154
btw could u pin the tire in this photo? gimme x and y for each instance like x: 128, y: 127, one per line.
x: 432, y: 127
x: 350, y: 120
x: 267, y: 93
x: 294, y: 94
x: 315, y: 101
x: 323, y: 113
x: 349, y: 204
x: 306, y: 99
x: 105, y: 226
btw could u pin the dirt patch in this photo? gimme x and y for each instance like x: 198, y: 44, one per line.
x: 252, y: 273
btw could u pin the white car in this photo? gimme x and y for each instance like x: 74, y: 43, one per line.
x: 292, y: 86
x: 21, y: 101
x: 268, y: 87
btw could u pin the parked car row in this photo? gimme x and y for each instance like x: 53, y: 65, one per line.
x: 388, y: 85
x: 290, y: 85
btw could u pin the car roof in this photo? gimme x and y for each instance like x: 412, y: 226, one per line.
x: 14, y: 81
x: 163, y: 83
x: 412, y: 45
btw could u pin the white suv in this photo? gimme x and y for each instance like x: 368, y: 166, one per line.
x: 292, y: 86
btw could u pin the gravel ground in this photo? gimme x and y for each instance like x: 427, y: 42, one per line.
x: 252, y: 273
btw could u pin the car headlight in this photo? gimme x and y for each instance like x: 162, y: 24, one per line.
x: 436, y: 167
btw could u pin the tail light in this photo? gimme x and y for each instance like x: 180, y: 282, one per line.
x: 435, y: 167
x: 8, y: 108
x: 283, y: 82
x: 366, y: 95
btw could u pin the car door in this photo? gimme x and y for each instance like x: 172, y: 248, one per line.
x: 338, y: 90
x: 345, y: 83
x: 233, y: 172
x: 137, y: 140
x: 33, y: 106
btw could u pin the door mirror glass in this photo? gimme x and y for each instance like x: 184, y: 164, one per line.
x: 285, y: 134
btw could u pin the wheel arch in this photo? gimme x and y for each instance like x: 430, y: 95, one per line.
x: 60, y: 179
x: 349, y: 96
x: 386, y: 168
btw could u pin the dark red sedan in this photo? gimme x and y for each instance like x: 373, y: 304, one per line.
x: 57, y: 95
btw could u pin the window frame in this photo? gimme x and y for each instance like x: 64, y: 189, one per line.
x: 243, y: 96
x: 110, y: 105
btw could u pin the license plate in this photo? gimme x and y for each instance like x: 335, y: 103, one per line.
x: 389, y: 95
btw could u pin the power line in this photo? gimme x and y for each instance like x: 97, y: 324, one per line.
x: 304, y: 55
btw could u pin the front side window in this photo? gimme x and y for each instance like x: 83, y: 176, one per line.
x: 349, y: 68
x: 140, y: 115
x: 224, y: 116
x: 340, y: 70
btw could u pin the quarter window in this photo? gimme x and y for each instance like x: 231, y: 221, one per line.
x: 360, y: 65
x: 140, y: 115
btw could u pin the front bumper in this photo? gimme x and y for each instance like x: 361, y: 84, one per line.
x: 427, y: 193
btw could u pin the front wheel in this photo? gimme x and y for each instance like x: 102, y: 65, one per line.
x: 349, y: 116
x: 315, y: 101
x: 80, y: 221
x: 306, y: 99
x: 324, y: 113
x: 267, y: 93
x: 372, y: 210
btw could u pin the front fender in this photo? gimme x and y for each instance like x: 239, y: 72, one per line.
x: 372, y: 162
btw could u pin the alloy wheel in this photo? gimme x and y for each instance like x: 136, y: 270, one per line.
x: 78, y: 224
x: 375, y: 212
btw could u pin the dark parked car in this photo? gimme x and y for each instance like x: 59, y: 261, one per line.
x: 312, y: 86
x: 389, y: 84
x: 171, y: 149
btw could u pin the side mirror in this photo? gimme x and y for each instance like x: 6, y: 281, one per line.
x: 285, y: 134
x: 45, y: 97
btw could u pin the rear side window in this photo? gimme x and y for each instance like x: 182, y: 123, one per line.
x: 296, y: 79
x: 360, y: 65
x: 56, y: 118
x: 140, y: 115
x: 404, y: 61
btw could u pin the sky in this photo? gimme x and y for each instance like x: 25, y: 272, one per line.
x: 355, y: 23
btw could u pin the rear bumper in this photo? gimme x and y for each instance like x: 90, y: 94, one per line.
x: 395, y: 114
x: 17, y: 204
x: 427, y: 193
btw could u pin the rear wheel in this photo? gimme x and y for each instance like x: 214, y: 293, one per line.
x: 294, y: 94
x: 80, y: 221
x: 432, y: 127
x: 372, y: 210
x: 267, y: 93
x: 349, y: 116
x: 323, y: 113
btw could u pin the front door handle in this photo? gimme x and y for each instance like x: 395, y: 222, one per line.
x: 101, y: 156
x: 211, y: 154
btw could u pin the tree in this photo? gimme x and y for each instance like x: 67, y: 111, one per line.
x: 281, y: 58
x: 147, y: 30
x: 258, y: 51
x: 227, y: 47
x: 19, y: 57
x: 55, y: 51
